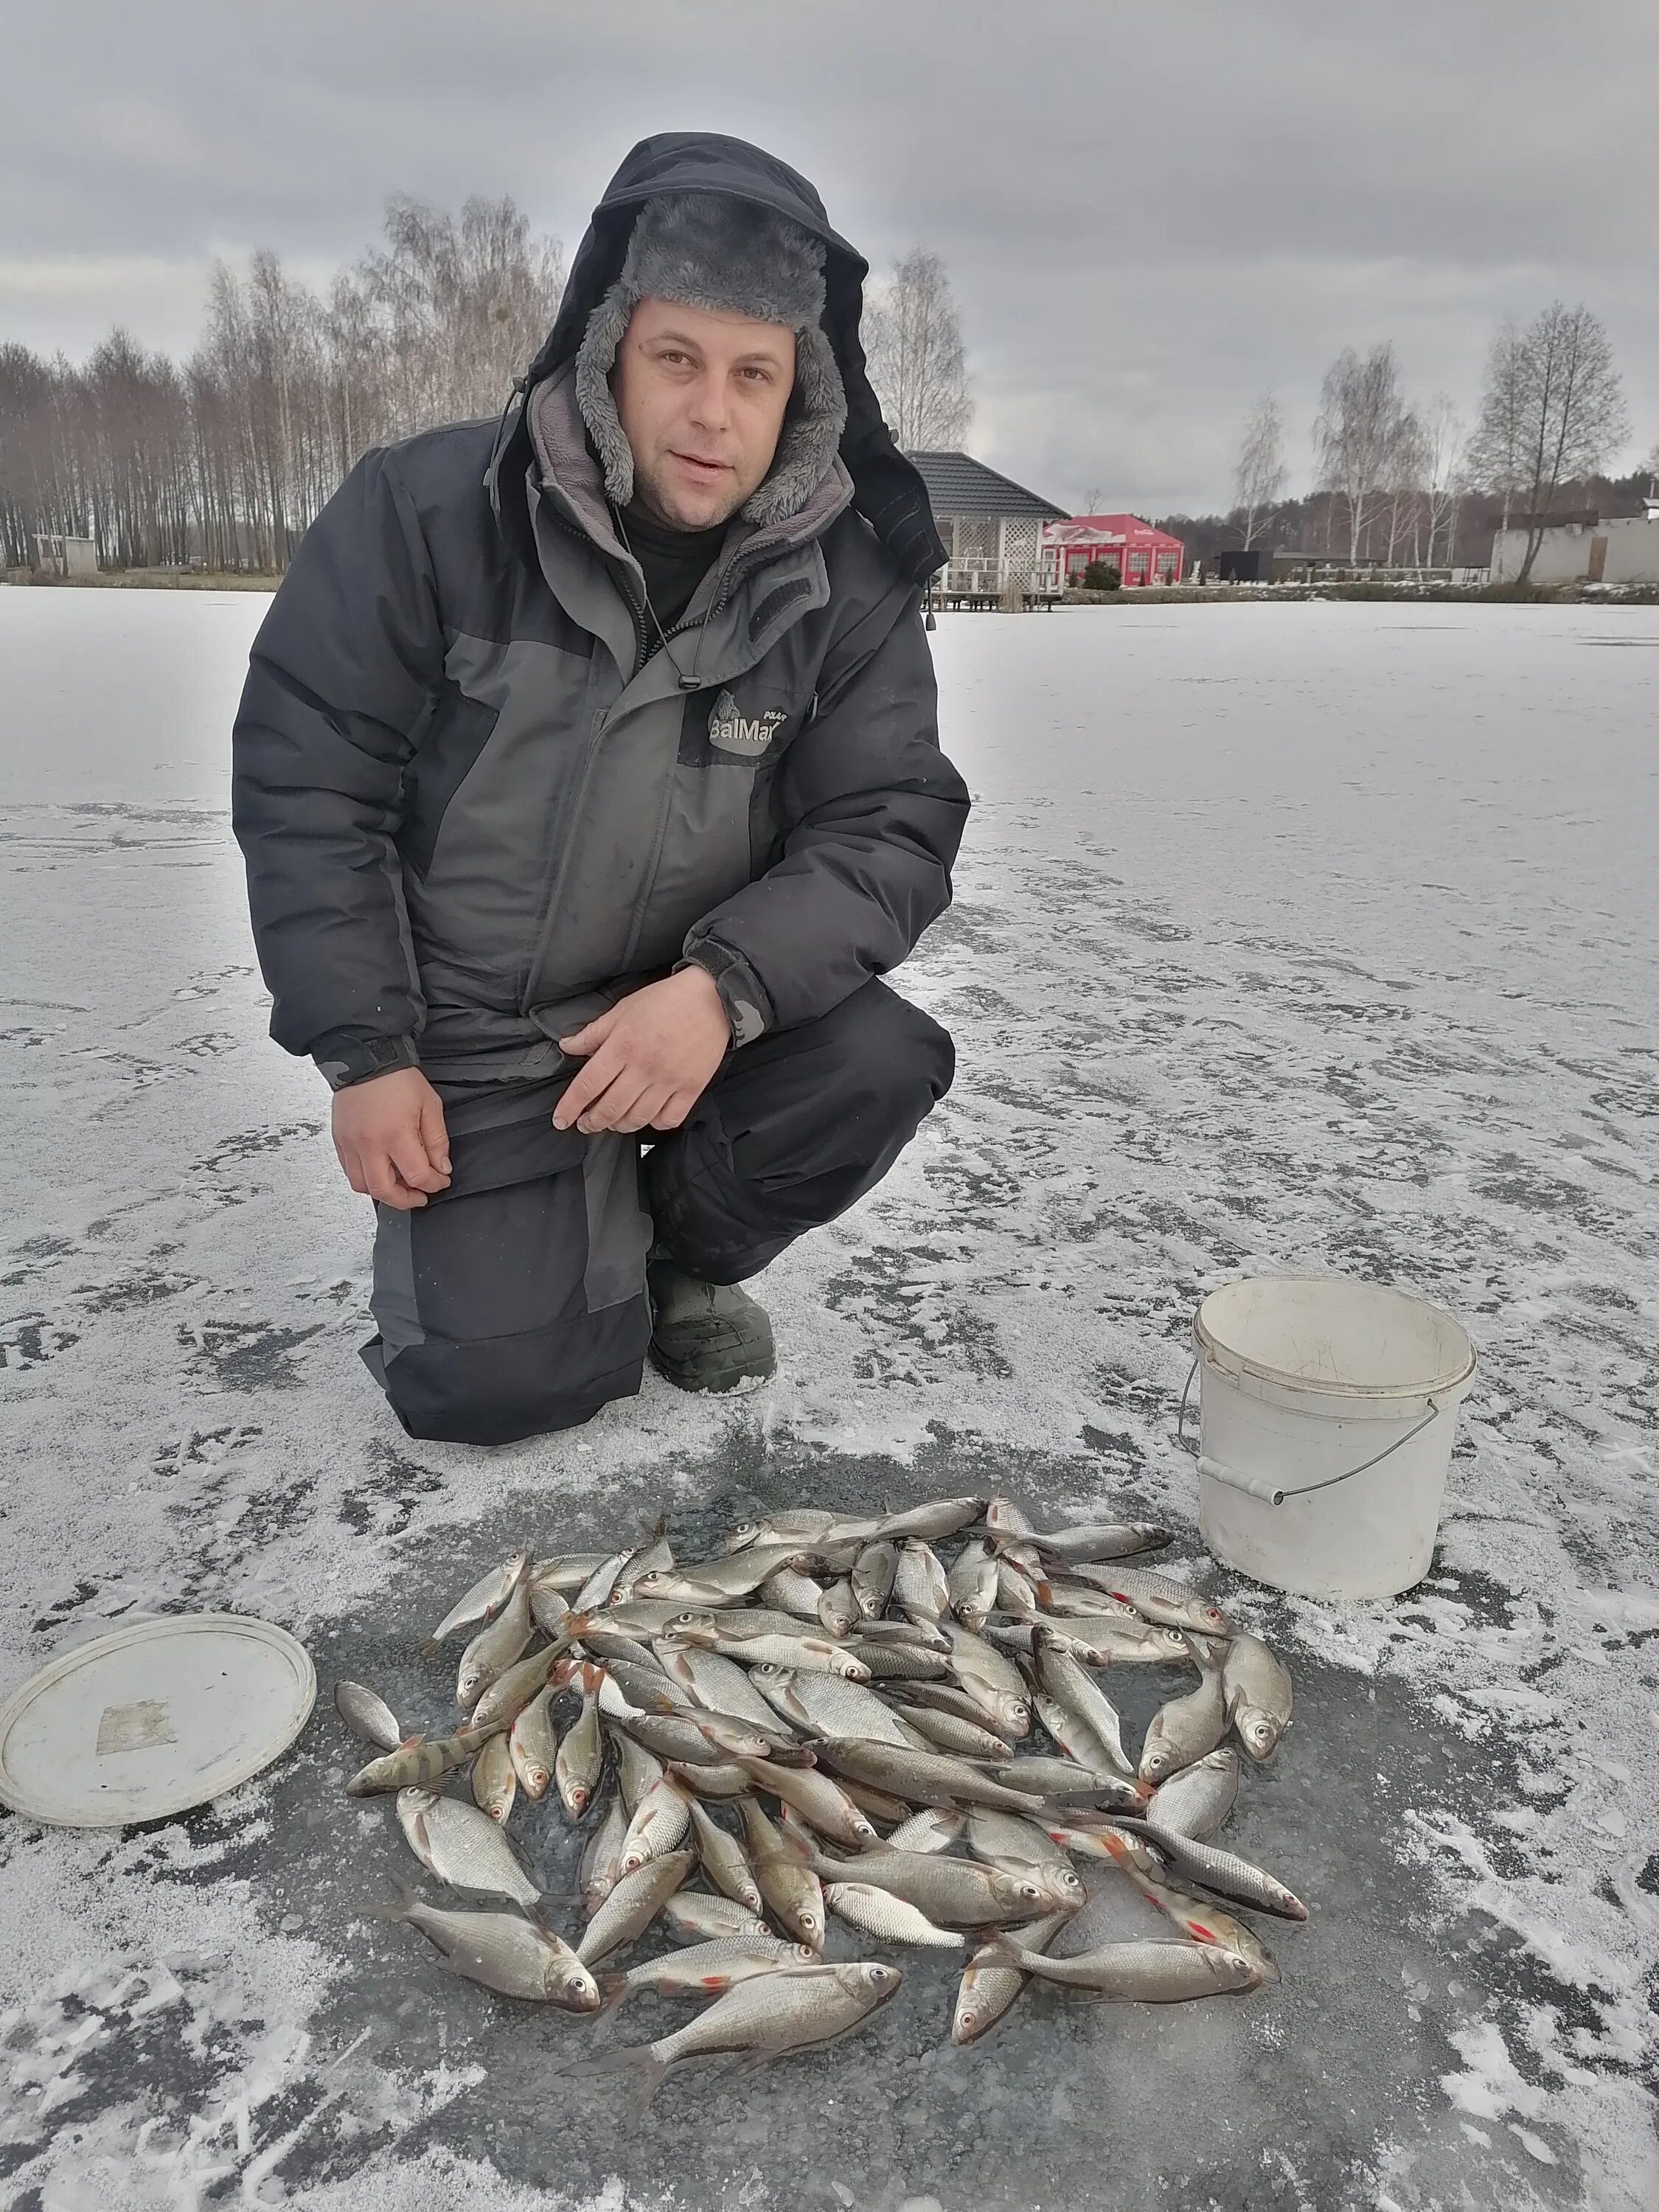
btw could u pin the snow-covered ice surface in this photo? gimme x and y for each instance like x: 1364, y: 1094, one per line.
x: 1309, y: 937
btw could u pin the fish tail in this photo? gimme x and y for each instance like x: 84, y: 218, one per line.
x: 388, y: 1908
x: 640, y: 2060
x: 997, y: 1950
x: 612, y: 1989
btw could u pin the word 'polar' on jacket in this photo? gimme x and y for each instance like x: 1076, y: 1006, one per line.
x: 476, y: 806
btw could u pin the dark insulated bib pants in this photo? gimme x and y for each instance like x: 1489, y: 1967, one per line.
x: 513, y: 1303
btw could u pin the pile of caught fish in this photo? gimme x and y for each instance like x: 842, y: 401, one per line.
x: 736, y: 1734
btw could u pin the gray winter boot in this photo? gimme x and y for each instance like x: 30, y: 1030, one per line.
x: 706, y: 1336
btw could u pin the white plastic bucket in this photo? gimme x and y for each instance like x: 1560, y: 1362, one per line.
x: 1327, y: 1410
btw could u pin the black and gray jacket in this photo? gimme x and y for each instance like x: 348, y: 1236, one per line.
x: 475, y: 805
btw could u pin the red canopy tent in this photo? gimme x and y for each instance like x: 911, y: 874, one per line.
x: 1140, y: 553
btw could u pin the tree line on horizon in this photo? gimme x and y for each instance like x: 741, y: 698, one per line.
x: 1404, y: 483
x: 223, y: 460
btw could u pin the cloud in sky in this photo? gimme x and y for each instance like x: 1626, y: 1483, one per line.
x: 1150, y: 214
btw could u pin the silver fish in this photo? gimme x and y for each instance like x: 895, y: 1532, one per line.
x: 838, y: 1608
x: 1197, y: 1801
x: 1016, y: 1593
x: 1205, y: 1922
x: 708, y: 1970
x: 725, y: 1780
x: 690, y: 1916
x: 887, y: 1917
x: 566, y: 1575
x: 763, y: 2019
x: 814, y: 1797
x: 660, y: 1821
x: 1225, y: 1872
x: 533, y: 1746
x: 827, y: 1703
x: 637, y: 1769
x: 1256, y: 1683
x: 716, y: 1582
x: 940, y: 1517
x: 1010, y: 1839
x: 633, y: 1905
x: 485, y: 1598
x: 1063, y: 1782
x: 600, y: 1586
x: 719, y: 1685
x: 791, y: 1888
x: 601, y: 1861
x: 656, y: 1558
x: 494, y: 1783
x: 1102, y: 1540
x: 897, y: 1662
x: 1159, y: 1598
x: 462, y: 1845
x: 919, y: 1588
x: 1155, y: 1971
x: 940, y: 1698
x: 992, y: 1681
x: 959, y: 1893
x: 933, y: 1829
x: 987, y: 1990
x: 519, y: 1958
x: 872, y: 1579
x: 1072, y: 1685
x: 497, y: 1647
x: 722, y: 1859
x: 793, y: 1592
x: 367, y: 1716
x: 507, y: 1697
x: 805, y: 1654
x: 946, y: 1732
x: 1006, y: 1521
x: 549, y: 1608
x: 1185, y: 1729
x: 972, y: 1582
x: 921, y: 1778
x: 580, y: 1759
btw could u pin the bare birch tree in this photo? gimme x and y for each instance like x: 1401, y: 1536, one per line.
x: 227, y: 459
x: 917, y: 361
x: 1444, y: 445
x: 1259, y: 475
x: 1358, y: 432
x: 1496, y: 458
x: 1563, y: 395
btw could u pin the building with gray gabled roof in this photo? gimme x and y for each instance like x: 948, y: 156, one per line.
x: 991, y: 525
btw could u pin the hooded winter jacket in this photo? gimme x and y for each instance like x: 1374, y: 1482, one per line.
x: 475, y: 805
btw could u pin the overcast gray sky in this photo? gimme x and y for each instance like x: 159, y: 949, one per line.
x: 1150, y: 212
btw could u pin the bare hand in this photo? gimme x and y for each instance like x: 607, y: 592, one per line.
x: 649, y: 1058
x: 390, y: 1136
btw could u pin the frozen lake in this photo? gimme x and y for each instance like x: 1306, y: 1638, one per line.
x: 1287, y: 938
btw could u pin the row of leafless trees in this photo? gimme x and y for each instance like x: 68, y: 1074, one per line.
x: 225, y: 459
x: 1552, y: 411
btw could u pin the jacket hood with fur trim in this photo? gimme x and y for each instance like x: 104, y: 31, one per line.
x: 887, y: 490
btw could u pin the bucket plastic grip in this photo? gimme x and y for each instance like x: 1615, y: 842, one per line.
x: 1259, y: 1485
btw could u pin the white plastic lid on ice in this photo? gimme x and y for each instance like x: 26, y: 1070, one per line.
x: 158, y: 1716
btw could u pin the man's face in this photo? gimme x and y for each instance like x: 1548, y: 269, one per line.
x: 701, y: 398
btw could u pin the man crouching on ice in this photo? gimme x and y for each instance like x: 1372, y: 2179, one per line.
x: 587, y: 777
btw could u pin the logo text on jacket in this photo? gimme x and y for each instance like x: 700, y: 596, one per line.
x: 735, y: 732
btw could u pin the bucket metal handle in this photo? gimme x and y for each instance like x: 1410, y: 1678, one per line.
x: 1260, y: 1485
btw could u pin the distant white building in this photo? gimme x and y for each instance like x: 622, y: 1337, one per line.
x: 1623, y: 549
x: 75, y: 558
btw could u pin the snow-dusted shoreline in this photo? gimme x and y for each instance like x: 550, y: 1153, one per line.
x: 1313, y: 936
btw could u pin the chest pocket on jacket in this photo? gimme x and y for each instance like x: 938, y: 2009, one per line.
x: 459, y: 730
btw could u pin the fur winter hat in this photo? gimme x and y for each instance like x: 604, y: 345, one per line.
x: 727, y: 255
